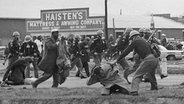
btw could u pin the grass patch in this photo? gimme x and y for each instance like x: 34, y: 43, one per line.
x: 168, y: 95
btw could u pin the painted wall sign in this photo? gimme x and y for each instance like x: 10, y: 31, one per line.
x: 65, y: 20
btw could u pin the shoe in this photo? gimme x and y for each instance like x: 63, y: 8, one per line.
x: 134, y: 93
x: 163, y: 76
x: 33, y: 85
x: 82, y: 77
x: 154, y: 88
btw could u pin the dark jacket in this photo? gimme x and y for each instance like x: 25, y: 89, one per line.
x: 15, y: 71
x: 140, y: 46
x: 84, y: 51
x: 48, y: 62
x: 14, y: 48
x: 30, y: 49
x: 97, y: 46
x: 122, y: 43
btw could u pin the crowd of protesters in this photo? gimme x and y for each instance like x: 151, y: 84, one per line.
x: 57, y: 55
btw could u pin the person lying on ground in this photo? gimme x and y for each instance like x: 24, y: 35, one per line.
x: 109, y: 77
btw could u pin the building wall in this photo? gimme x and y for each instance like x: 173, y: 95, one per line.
x: 8, y: 26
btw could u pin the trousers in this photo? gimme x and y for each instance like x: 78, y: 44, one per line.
x: 148, y: 66
x: 46, y: 76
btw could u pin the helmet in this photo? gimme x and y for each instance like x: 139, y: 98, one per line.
x: 99, y: 32
x: 133, y: 33
x: 110, y: 35
x: 16, y: 33
x: 147, y: 30
x: 163, y: 34
x: 141, y: 30
x: 28, y: 38
x: 128, y: 29
x: 87, y: 39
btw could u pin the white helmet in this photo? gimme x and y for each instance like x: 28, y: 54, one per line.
x: 147, y: 30
x: 16, y: 33
x: 164, y: 35
x: 133, y: 33
x: 141, y: 30
x: 28, y: 38
x: 99, y: 32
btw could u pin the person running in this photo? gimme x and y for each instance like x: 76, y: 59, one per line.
x: 48, y: 63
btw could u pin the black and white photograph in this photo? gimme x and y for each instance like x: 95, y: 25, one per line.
x: 91, y: 52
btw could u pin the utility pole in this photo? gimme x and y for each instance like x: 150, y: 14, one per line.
x: 106, y: 20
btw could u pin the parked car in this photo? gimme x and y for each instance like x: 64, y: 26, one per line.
x: 171, y: 54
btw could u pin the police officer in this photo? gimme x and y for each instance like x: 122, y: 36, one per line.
x: 122, y: 45
x: 147, y: 66
x: 141, y: 32
x: 74, y: 50
x: 97, y: 48
x: 84, y: 51
x: 14, y: 48
x: 30, y: 49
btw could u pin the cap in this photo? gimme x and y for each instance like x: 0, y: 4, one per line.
x: 54, y: 30
x: 133, y: 33
x: 16, y: 33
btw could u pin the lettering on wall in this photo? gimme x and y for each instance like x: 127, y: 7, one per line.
x: 65, y: 20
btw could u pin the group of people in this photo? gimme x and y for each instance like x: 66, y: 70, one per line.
x: 20, y: 55
x: 77, y: 52
x: 146, y: 61
x: 43, y: 54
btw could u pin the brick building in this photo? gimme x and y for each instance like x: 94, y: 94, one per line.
x: 8, y: 26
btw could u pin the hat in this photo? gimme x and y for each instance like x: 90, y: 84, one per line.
x: 54, y: 30
x: 27, y: 38
x: 133, y: 33
x: 16, y: 33
x: 100, y: 32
